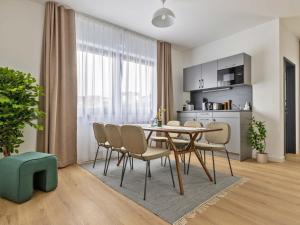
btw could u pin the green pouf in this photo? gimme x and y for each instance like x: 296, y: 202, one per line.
x: 21, y: 174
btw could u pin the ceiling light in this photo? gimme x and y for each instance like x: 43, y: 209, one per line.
x: 163, y: 17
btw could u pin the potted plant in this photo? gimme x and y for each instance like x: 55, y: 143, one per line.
x: 257, y: 138
x: 19, y: 96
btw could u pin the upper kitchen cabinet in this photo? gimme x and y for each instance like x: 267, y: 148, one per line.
x: 229, y: 71
x: 209, y: 74
x: 234, y: 69
x: 192, y: 78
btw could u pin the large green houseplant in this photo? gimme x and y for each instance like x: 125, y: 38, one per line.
x: 257, y: 134
x: 19, y: 96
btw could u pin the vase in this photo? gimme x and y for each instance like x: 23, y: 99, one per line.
x: 159, y: 123
x: 262, y: 157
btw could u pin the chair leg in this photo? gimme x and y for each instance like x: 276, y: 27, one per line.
x: 107, y: 150
x: 229, y: 162
x: 118, y: 156
x: 184, y: 170
x: 130, y: 162
x: 188, y: 167
x: 146, y: 174
x: 213, y: 159
x: 124, y: 169
x: 165, y: 162
x: 149, y: 170
x: 204, y: 157
x: 107, y: 164
x: 96, y: 156
x: 171, y: 170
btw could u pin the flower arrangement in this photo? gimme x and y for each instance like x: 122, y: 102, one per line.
x: 159, y: 116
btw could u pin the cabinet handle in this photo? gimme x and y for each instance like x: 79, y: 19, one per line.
x: 199, y: 83
x: 202, y: 83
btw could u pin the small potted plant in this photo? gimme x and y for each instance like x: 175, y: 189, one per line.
x: 257, y: 134
x: 19, y: 98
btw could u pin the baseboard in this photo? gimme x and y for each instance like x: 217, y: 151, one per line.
x: 276, y: 159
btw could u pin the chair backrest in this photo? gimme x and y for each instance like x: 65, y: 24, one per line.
x: 173, y: 123
x: 218, y: 137
x: 194, y: 124
x: 133, y: 138
x: 99, y: 133
x: 113, y: 135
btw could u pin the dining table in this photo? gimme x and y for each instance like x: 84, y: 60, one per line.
x: 189, y: 148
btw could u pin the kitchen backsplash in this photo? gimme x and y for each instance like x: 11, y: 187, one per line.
x: 239, y: 96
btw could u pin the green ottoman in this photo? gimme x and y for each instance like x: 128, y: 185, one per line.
x: 20, y: 174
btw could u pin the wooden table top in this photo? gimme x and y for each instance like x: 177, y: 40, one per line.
x: 178, y: 129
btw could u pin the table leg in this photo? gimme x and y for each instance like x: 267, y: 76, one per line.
x: 192, y: 146
x: 149, y: 135
x: 173, y: 147
x: 203, y: 165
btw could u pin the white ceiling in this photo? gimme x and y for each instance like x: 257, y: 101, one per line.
x: 197, y: 21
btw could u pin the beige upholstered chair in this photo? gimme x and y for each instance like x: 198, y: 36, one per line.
x: 184, y: 139
x: 135, y: 143
x: 113, y: 135
x: 100, y: 137
x: 216, y: 141
x: 163, y: 139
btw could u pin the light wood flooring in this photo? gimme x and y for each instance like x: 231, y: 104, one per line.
x: 271, y: 196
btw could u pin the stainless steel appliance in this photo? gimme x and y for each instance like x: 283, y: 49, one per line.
x: 189, y: 107
x: 217, y: 106
x: 231, y: 76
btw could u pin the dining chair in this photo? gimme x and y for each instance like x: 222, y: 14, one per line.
x: 163, y: 139
x: 100, y: 136
x: 113, y: 135
x: 135, y: 143
x: 216, y: 141
x: 184, y: 139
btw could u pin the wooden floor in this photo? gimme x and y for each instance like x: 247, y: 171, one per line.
x: 271, y: 196
x: 293, y: 157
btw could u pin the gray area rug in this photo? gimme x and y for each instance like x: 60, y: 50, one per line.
x: 162, y: 199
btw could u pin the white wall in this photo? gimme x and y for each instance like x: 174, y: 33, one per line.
x: 262, y: 43
x: 289, y: 48
x: 21, y: 31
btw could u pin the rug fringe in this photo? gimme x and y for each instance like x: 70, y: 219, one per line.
x: 210, y: 202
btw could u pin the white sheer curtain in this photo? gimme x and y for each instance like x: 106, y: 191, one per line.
x: 116, y: 79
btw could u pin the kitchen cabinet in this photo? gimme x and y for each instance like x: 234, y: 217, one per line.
x: 238, y: 146
x: 234, y: 122
x: 209, y: 74
x: 238, y: 60
x: 231, y: 61
x: 205, y: 76
x: 192, y: 78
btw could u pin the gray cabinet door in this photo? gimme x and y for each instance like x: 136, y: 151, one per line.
x: 183, y: 117
x: 192, y: 78
x: 234, y: 144
x: 231, y: 61
x: 210, y: 74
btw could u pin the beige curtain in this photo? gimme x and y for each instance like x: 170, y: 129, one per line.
x: 58, y: 77
x: 164, y: 79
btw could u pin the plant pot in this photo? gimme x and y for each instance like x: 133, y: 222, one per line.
x: 262, y: 157
x: 6, y: 152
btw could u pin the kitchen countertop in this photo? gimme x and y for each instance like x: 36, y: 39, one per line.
x: 233, y: 110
